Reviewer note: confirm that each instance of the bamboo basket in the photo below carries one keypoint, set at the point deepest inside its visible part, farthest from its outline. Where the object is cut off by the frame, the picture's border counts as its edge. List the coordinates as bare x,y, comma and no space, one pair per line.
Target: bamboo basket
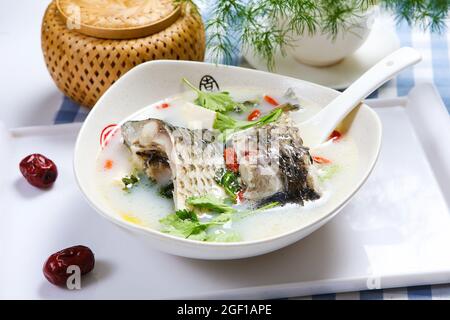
86,60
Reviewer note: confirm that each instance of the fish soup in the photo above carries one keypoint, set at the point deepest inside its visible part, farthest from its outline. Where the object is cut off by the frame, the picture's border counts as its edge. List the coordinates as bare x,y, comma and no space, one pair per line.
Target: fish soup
223,167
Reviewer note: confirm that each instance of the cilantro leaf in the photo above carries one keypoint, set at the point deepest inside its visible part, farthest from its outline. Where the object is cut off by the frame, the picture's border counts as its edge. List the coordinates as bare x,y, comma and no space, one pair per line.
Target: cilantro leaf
173,225
222,219
229,181
215,101
187,215
129,182
201,236
183,223
210,202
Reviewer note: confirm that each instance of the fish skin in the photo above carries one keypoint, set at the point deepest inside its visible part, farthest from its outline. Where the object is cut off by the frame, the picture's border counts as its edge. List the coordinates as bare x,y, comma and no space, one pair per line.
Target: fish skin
274,164
193,156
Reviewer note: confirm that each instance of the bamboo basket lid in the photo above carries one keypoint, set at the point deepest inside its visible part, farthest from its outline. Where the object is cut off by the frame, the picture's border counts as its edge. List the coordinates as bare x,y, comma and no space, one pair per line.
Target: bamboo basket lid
118,19
84,66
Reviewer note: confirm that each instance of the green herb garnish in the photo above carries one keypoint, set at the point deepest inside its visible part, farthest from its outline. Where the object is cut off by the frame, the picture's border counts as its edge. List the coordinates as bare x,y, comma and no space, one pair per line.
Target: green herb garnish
166,191
215,101
199,236
267,206
183,223
210,202
223,218
129,182
227,123
187,215
229,181
255,24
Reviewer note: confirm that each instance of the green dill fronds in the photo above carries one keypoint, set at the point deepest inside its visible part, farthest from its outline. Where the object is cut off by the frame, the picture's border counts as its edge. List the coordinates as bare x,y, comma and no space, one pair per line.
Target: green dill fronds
268,26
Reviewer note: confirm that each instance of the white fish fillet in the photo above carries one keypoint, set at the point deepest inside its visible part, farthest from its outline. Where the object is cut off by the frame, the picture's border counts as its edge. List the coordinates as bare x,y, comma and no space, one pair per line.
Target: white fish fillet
190,156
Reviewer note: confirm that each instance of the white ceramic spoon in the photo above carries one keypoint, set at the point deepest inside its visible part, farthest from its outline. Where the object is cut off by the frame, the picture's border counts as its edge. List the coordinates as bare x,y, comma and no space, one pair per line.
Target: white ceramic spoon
318,128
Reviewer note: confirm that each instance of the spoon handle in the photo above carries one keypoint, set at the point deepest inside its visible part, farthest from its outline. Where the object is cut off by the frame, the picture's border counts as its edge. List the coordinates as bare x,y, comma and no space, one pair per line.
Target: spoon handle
319,127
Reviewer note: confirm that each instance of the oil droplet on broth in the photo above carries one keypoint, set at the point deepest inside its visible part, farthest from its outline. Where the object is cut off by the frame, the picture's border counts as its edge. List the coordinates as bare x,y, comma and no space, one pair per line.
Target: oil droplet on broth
132,219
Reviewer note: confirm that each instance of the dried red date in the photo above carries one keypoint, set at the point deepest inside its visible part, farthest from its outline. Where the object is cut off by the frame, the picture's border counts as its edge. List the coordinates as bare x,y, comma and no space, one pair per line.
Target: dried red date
39,171
55,268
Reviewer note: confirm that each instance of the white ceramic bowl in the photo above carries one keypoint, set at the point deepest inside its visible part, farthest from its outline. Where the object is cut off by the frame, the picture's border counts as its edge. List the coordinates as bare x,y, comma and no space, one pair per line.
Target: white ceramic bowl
153,81
321,49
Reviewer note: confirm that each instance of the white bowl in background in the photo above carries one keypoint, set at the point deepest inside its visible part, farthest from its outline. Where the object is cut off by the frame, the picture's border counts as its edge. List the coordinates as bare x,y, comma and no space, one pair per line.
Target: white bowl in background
322,49
156,80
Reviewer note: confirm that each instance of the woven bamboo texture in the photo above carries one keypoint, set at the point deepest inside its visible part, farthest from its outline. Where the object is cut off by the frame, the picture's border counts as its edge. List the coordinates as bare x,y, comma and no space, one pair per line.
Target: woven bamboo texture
84,67
119,14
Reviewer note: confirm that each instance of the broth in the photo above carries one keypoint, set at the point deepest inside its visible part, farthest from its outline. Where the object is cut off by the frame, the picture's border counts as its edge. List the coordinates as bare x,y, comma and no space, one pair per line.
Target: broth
144,206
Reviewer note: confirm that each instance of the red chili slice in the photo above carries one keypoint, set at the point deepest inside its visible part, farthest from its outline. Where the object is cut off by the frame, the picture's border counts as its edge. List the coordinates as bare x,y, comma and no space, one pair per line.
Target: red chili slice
106,134
271,100
335,135
230,157
162,106
321,160
255,114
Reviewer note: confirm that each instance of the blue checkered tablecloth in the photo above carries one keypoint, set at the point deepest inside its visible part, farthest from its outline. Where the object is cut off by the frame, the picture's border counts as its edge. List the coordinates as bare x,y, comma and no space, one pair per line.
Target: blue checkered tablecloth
434,68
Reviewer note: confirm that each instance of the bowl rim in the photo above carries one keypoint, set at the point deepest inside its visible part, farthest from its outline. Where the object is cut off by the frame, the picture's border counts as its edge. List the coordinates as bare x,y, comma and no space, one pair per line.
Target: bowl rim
249,243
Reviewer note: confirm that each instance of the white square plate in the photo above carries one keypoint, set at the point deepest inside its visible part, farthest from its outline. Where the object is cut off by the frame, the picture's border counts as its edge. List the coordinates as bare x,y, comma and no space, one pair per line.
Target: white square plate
395,232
